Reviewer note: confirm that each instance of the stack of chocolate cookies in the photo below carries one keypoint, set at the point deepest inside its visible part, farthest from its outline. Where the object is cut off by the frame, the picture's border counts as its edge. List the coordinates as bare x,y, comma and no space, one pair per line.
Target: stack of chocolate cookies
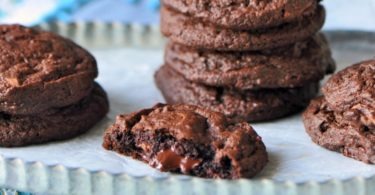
251,60
343,120
47,88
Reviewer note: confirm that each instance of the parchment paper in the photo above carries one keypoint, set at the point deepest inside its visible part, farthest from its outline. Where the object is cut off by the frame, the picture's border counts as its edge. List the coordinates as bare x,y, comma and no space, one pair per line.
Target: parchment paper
127,76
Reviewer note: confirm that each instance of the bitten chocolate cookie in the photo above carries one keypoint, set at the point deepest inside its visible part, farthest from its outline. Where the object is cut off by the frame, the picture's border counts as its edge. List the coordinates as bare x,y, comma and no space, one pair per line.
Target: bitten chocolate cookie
188,31
54,124
189,140
292,66
352,91
248,105
40,70
330,130
244,14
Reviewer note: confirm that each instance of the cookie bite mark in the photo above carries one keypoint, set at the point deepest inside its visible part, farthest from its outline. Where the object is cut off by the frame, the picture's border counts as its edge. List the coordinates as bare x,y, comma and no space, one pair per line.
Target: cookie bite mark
189,140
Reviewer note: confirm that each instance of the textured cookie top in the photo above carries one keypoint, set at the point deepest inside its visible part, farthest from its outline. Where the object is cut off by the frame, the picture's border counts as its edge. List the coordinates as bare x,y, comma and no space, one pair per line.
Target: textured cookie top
188,122
352,91
331,130
29,56
248,70
245,14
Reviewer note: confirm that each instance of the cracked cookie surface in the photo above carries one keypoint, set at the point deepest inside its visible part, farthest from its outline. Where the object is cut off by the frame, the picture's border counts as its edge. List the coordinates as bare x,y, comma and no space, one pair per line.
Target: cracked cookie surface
41,70
352,91
244,14
331,130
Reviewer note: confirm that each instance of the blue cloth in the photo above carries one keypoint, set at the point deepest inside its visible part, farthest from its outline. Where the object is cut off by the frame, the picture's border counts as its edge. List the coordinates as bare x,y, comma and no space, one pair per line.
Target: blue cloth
13,11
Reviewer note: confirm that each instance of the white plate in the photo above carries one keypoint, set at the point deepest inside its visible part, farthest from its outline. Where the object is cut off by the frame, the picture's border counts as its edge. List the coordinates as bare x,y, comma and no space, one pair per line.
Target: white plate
127,57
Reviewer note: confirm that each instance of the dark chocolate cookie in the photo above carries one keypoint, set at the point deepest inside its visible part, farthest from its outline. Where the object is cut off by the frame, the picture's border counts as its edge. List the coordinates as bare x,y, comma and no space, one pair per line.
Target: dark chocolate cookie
259,105
40,70
188,31
190,140
292,66
331,130
352,91
245,14
54,124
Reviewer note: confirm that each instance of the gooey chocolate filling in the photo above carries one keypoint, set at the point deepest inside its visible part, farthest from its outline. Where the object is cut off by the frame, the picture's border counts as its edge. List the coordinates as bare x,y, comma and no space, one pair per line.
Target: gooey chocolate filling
169,160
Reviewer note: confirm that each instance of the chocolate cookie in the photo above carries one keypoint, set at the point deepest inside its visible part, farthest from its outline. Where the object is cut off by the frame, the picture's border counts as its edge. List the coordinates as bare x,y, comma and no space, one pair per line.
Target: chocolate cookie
292,66
247,105
188,31
54,124
190,140
245,14
352,91
40,70
330,130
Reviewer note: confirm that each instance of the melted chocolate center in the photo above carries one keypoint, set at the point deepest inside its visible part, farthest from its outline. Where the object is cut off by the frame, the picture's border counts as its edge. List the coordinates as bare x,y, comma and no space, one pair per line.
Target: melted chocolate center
169,160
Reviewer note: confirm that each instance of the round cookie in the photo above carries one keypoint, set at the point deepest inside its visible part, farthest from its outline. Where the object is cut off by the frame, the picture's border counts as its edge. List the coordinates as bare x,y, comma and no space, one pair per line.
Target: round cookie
54,124
188,31
352,91
260,105
287,67
244,14
331,130
190,140
40,70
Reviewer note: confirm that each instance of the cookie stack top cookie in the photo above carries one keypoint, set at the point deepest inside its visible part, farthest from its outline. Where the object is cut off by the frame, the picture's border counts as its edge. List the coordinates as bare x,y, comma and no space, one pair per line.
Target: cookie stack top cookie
343,119
244,14
241,26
